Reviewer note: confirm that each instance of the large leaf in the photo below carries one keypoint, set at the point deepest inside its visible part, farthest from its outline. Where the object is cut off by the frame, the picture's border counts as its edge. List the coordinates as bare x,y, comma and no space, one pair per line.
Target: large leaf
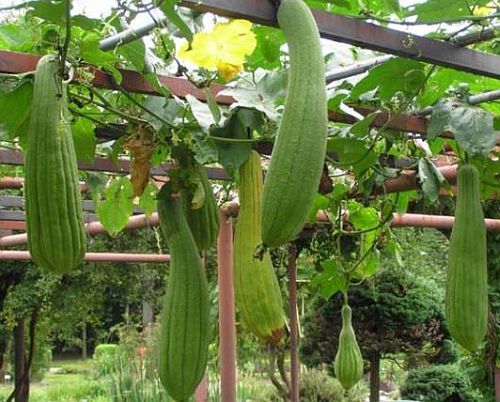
473,129
331,280
439,10
117,206
267,52
352,152
147,202
430,178
265,95
237,126
15,107
84,139
390,77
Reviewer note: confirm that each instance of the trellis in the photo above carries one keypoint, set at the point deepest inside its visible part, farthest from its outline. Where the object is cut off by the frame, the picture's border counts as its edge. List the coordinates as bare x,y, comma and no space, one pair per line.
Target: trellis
354,31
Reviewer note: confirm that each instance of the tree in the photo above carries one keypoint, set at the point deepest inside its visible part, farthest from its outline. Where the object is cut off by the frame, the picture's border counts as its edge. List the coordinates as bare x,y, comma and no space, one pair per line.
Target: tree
395,311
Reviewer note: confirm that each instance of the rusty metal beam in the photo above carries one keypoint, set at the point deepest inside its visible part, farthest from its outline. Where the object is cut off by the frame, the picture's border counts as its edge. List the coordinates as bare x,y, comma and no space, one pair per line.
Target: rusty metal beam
8,157
13,62
140,221
94,257
360,33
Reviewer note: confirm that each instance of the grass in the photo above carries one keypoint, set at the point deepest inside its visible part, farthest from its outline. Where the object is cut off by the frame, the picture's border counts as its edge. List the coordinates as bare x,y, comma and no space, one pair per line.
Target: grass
73,382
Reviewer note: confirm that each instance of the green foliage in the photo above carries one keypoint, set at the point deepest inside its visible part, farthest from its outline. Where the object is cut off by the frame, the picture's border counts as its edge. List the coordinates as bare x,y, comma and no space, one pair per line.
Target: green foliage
317,386
400,309
440,383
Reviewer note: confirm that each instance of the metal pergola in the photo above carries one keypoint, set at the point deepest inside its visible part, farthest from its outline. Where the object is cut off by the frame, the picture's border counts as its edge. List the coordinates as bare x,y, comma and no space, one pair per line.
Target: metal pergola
451,54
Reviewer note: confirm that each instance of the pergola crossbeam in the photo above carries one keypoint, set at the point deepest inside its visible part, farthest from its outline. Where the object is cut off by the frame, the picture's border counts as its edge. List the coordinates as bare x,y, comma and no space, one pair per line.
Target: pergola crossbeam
355,31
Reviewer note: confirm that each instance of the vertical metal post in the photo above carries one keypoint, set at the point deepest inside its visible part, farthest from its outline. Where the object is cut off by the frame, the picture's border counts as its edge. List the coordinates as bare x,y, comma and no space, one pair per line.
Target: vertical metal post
227,321
292,303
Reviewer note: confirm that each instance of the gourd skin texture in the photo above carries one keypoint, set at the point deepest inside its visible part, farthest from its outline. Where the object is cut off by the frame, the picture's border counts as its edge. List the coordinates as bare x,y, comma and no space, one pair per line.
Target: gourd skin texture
184,337
348,363
467,283
203,221
258,295
299,150
55,228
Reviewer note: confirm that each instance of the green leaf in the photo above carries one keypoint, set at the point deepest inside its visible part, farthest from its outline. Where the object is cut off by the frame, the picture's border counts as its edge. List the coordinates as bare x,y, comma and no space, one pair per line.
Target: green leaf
117,206
166,108
134,52
48,10
390,77
362,128
439,120
320,202
15,107
84,140
267,52
331,280
205,150
15,37
430,178
352,152
241,122
438,10
473,129
201,112
90,52
147,202
168,8
85,22
213,106
268,92
362,218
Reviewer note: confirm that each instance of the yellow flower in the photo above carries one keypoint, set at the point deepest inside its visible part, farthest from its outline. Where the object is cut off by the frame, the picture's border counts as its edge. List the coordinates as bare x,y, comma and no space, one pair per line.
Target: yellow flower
224,49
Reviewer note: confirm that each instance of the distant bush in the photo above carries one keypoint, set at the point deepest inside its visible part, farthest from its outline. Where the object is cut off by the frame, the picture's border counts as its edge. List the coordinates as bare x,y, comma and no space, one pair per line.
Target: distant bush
105,356
440,383
317,386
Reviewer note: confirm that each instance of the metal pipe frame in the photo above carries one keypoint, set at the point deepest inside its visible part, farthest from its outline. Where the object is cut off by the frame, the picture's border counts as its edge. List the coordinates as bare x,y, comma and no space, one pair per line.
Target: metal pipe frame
94,257
356,32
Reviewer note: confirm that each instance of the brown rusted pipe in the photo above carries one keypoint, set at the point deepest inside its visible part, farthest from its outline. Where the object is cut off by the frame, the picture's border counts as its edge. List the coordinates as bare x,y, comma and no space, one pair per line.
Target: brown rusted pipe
231,209
435,221
409,181
94,257
227,321
92,228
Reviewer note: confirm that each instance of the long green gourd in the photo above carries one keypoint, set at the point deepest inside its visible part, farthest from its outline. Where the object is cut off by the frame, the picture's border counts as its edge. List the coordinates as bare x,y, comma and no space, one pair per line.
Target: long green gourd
203,221
299,150
184,337
55,228
258,296
348,365
467,282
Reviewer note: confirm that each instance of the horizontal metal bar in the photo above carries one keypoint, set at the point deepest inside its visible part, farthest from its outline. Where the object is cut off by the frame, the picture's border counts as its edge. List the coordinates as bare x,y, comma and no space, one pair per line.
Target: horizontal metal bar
12,201
130,34
8,157
93,257
13,62
360,33
355,69
19,216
